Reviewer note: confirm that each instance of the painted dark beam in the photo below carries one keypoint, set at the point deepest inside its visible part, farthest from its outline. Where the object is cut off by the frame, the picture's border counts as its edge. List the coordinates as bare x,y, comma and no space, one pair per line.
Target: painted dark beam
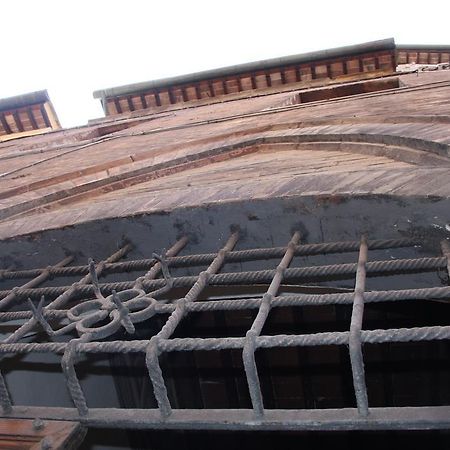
130,103
117,105
157,99
45,116
144,101
18,122
32,119
5,125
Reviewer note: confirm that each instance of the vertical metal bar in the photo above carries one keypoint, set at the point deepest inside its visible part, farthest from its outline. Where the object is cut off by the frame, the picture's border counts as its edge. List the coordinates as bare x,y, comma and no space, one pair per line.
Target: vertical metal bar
248,353
356,357
445,247
70,355
66,295
154,270
152,353
43,276
5,399
30,324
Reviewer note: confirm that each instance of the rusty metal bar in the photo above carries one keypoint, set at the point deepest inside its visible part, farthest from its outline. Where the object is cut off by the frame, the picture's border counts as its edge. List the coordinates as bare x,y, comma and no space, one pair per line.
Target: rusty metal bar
43,276
164,416
284,300
248,353
213,344
404,418
30,324
445,247
356,357
388,267
152,353
67,294
206,258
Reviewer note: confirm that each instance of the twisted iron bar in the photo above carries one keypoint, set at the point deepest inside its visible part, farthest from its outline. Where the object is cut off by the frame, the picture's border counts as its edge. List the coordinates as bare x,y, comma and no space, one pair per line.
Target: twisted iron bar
153,351
381,336
388,267
128,303
201,259
31,323
354,342
248,353
435,293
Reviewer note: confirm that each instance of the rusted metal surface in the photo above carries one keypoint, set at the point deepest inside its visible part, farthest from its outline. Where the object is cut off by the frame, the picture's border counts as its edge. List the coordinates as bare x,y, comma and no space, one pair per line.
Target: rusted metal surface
119,306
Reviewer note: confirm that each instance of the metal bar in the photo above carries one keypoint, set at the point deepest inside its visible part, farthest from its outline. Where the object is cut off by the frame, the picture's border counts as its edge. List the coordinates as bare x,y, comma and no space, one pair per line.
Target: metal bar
43,276
284,300
69,357
164,416
213,344
445,246
30,324
356,357
248,353
66,294
404,418
152,352
154,270
388,267
233,256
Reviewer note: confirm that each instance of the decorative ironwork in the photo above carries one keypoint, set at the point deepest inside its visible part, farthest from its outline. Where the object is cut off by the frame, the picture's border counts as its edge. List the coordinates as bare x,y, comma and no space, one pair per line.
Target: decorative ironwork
124,304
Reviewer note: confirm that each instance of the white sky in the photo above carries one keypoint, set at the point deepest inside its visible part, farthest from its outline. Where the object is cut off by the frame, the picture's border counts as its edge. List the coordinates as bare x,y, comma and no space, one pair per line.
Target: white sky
72,48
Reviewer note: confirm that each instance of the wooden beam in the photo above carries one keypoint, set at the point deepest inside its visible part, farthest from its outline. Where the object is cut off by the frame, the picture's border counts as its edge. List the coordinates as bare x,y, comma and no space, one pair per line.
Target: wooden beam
45,116
197,91
34,435
117,105
5,124
225,88
361,64
143,101
17,121
184,94
52,117
344,67
157,99
130,103
32,119
211,88
329,74
239,83
172,99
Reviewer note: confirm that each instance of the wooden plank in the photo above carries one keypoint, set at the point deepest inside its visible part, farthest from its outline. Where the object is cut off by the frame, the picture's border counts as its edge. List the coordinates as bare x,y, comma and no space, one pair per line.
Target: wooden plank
26,434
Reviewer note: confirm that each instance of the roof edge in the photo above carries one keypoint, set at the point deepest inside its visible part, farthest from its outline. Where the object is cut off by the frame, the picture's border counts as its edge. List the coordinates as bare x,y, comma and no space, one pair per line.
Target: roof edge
19,101
383,44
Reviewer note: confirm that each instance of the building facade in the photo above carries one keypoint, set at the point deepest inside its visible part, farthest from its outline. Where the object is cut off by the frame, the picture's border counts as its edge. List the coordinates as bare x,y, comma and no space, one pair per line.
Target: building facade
271,243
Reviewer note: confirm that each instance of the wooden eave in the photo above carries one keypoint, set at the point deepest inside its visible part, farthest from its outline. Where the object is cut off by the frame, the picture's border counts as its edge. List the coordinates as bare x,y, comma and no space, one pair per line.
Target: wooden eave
27,115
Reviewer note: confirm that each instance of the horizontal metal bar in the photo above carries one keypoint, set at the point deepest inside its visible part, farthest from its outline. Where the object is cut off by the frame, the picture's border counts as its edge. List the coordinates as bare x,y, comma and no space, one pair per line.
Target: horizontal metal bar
222,343
285,300
206,258
388,267
404,418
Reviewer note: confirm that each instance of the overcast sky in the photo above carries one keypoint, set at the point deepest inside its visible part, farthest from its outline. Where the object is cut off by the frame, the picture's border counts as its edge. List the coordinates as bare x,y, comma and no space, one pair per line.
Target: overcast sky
72,48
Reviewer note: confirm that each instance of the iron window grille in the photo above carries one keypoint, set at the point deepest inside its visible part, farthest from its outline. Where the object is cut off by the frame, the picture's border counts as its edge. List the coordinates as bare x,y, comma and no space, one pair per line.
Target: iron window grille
102,309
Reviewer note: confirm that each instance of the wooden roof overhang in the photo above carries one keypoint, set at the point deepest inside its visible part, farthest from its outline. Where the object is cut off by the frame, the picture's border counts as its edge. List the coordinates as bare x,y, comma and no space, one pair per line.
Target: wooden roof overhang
353,62
27,115
423,54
